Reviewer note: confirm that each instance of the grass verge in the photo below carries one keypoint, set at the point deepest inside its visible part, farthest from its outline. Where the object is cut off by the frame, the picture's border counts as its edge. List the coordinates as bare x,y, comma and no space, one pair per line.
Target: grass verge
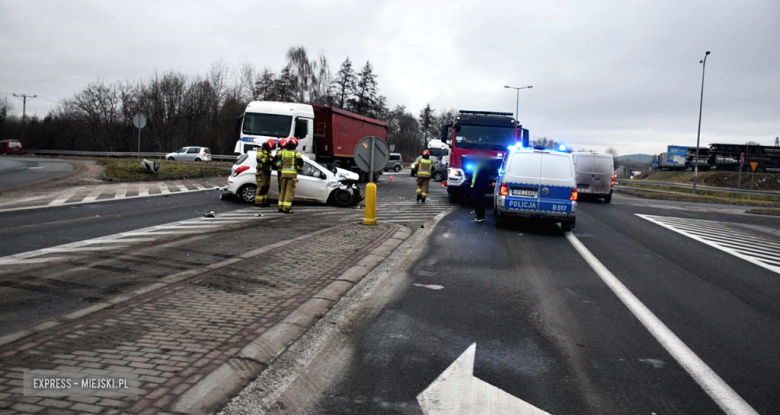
772,212
703,196
131,170
760,181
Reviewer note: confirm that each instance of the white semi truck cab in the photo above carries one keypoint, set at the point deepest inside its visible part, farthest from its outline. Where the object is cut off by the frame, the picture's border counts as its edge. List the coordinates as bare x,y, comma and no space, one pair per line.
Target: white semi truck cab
268,119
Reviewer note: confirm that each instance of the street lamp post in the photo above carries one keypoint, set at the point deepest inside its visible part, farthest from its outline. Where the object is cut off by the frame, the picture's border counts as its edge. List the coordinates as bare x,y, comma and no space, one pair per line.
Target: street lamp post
698,133
517,105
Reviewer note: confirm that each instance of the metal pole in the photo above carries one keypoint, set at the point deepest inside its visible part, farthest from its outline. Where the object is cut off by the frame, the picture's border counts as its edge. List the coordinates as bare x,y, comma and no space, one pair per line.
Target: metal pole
517,107
739,179
371,168
139,144
370,210
698,133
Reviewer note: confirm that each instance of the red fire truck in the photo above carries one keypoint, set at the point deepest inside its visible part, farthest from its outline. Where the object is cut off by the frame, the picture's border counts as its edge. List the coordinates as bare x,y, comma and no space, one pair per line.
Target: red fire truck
476,134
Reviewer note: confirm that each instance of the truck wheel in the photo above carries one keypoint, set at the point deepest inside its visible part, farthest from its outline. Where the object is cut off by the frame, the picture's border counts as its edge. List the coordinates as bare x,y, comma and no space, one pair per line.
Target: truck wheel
337,164
247,193
342,198
397,168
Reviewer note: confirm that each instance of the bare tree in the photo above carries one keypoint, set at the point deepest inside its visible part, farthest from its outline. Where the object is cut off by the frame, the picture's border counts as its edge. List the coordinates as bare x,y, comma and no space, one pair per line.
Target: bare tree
321,91
613,151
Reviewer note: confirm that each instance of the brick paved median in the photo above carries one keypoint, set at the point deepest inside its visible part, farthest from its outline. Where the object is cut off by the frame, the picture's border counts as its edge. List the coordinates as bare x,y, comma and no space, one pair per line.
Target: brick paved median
177,335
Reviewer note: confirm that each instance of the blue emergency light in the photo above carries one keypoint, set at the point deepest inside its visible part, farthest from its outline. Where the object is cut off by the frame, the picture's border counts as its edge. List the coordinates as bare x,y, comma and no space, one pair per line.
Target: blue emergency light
468,167
562,147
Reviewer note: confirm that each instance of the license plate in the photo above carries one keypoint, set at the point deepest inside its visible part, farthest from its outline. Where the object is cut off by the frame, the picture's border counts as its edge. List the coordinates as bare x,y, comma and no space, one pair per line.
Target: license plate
583,190
524,192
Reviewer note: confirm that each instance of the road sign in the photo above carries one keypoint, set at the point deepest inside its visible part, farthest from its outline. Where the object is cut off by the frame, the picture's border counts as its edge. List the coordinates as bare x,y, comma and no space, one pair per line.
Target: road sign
371,154
741,159
753,165
457,392
139,120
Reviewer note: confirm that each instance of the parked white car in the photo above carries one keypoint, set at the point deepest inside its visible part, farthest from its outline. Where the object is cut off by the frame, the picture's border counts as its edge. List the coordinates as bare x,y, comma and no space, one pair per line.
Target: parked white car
315,184
190,154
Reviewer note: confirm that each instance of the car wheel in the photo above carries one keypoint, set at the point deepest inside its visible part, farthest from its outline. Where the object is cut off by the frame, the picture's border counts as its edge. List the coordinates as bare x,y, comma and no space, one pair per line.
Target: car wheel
397,168
453,197
198,159
438,176
608,198
342,198
247,193
414,173
171,159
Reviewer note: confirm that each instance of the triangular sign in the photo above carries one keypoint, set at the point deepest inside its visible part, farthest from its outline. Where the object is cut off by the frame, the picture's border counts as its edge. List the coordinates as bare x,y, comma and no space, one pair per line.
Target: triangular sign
753,165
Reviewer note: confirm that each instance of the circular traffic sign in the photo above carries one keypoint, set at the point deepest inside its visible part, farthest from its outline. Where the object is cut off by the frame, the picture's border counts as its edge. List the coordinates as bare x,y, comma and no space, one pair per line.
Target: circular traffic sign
139,120
364,149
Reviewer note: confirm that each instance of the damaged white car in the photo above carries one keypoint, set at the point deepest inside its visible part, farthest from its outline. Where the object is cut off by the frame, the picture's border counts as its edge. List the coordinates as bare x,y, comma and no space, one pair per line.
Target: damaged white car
315,184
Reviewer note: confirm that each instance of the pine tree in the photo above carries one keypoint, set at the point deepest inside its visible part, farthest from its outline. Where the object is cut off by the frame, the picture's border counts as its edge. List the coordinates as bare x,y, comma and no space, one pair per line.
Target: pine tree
427,123
265,87
344,85
365,98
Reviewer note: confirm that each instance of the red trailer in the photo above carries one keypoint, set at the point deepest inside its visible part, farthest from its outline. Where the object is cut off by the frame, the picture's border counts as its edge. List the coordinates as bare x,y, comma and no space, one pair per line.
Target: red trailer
337,132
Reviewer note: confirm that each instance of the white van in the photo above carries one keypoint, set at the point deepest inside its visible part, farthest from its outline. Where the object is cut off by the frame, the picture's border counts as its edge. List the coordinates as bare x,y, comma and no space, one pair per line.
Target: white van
537,183
595,174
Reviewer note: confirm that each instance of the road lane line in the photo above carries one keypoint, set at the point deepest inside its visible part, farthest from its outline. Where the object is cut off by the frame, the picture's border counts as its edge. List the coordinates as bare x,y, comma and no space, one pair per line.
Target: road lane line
181,187
728,400
163,188
143,191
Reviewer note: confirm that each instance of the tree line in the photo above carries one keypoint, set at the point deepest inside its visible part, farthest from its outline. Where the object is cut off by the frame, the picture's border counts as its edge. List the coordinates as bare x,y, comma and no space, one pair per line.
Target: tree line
201,109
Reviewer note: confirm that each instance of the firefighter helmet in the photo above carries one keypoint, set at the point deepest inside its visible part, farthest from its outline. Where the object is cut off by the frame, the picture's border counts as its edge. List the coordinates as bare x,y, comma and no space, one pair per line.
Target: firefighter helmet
426,153
270,144
283,143
293,141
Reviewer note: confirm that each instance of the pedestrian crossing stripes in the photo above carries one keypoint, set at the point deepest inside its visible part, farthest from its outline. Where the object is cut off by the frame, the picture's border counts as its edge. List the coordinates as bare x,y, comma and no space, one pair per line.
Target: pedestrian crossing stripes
757,249
150,234
91,194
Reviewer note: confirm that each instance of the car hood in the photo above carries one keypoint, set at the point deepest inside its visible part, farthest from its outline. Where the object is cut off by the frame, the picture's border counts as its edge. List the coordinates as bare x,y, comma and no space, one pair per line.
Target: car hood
342,174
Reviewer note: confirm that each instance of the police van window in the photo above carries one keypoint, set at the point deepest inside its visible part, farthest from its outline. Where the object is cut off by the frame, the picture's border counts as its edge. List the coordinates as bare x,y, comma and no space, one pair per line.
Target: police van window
555,166
525,165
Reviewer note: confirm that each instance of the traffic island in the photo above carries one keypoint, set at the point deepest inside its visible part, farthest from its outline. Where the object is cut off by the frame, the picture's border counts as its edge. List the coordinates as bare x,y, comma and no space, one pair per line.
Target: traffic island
198,336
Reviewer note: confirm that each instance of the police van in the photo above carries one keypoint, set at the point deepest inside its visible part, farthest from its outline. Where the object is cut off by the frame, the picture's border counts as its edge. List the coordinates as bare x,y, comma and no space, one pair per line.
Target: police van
537,183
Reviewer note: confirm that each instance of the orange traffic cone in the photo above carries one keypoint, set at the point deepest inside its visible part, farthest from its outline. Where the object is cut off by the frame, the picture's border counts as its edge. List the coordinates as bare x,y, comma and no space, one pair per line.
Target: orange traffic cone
391,177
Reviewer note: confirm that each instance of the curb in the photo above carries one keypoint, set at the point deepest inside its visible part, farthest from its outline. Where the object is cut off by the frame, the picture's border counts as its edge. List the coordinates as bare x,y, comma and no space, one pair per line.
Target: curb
219,386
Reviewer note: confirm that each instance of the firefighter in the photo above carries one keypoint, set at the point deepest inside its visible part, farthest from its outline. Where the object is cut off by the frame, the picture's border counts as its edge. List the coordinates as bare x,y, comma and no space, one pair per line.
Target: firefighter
264,167
291,163
424,168
277,165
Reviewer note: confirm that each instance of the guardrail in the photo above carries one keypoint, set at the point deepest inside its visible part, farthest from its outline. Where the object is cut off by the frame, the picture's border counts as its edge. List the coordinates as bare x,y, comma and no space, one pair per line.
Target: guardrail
118,154
708,188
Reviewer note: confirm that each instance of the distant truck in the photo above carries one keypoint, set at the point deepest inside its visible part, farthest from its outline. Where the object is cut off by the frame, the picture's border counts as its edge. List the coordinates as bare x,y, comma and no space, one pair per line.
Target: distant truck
682,158
726,157
326,134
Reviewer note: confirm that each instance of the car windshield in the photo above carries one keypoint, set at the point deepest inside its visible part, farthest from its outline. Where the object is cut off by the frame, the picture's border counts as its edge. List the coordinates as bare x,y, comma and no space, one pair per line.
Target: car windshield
484,137
269,125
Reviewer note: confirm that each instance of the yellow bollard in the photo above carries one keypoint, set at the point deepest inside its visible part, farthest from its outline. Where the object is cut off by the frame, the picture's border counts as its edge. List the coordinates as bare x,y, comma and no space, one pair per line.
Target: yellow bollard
370,218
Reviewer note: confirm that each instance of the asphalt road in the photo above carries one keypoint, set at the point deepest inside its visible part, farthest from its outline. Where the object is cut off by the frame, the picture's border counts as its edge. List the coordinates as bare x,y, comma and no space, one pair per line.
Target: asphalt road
550,332
20,172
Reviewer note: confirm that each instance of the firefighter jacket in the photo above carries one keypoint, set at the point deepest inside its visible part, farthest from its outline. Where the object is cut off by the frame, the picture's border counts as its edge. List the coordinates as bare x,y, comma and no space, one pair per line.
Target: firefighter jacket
290,162
264,160
424,167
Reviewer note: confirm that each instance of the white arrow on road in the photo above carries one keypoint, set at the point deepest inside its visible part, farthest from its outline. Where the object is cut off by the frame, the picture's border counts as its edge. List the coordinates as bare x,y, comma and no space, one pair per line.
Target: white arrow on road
457,392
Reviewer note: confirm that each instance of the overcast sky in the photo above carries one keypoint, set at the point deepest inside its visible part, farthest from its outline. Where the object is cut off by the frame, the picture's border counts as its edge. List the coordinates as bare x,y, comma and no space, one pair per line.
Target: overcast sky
605,73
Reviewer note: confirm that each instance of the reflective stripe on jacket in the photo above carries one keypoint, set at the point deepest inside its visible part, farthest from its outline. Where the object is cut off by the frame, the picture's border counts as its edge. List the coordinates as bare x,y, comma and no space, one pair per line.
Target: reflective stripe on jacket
424,168
291,161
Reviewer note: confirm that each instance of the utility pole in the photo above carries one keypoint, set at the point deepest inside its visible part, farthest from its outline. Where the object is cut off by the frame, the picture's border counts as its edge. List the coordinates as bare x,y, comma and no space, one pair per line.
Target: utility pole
24,98
777,141
698,133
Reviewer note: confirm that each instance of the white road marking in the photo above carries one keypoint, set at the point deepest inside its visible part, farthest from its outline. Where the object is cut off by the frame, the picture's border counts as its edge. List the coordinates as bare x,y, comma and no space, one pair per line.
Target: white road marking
181,187
163,188
429,286
457,392
23,200
728,400
143,191
93,195
120,193
64,197
725,243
